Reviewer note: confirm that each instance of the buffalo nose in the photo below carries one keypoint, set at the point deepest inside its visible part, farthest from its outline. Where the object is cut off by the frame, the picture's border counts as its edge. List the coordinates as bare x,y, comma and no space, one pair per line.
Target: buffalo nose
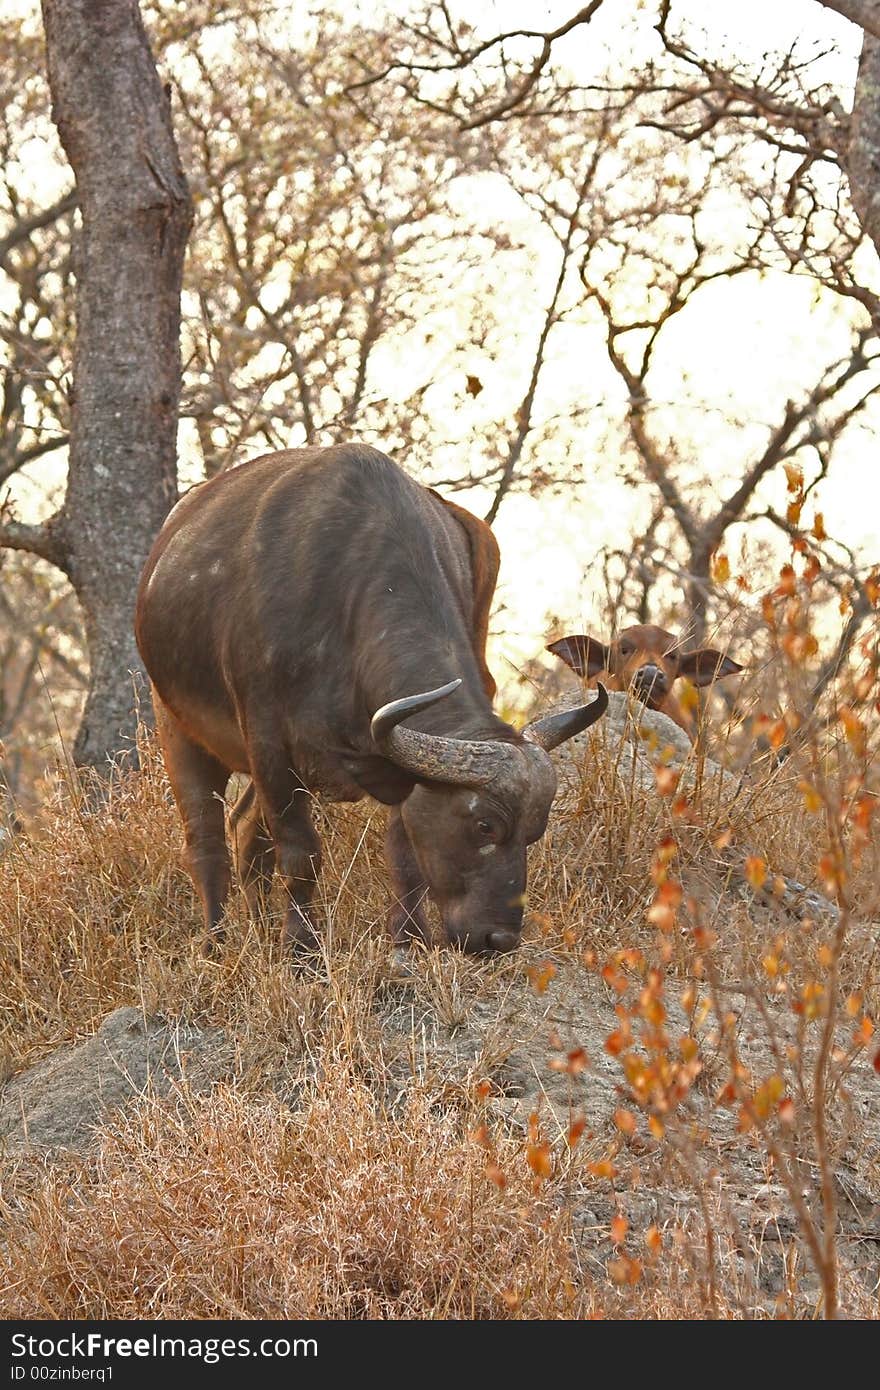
502,940
650,678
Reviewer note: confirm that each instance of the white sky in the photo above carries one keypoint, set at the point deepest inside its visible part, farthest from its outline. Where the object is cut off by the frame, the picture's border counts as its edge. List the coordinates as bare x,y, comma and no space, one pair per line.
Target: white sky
760,336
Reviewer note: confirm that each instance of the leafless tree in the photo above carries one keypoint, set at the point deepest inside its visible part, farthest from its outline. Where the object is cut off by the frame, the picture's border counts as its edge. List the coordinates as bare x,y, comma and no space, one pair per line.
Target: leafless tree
114,122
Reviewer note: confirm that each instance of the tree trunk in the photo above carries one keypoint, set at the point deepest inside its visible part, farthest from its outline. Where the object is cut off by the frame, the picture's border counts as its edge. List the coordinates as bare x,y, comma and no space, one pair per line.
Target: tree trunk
863,153
114,121
698,586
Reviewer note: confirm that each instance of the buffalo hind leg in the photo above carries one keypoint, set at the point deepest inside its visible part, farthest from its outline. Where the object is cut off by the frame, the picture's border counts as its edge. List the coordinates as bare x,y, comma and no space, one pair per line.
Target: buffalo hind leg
286,809
406,917
254,851
198,782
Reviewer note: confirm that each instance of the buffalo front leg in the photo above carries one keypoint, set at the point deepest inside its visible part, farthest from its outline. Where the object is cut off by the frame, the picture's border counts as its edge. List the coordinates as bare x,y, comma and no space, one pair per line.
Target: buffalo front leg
406,917
286,810
198,782
254,850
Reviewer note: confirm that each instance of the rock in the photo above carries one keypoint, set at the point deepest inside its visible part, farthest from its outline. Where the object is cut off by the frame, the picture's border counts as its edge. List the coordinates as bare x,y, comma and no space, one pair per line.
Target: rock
635,740
57,1103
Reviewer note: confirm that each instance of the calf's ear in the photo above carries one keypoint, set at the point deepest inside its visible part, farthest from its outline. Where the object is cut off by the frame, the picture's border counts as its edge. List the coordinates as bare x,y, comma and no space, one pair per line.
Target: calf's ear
583,654
706,665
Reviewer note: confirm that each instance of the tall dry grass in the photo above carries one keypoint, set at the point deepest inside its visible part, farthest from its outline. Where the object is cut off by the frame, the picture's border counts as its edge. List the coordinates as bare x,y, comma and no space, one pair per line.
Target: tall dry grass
330,1175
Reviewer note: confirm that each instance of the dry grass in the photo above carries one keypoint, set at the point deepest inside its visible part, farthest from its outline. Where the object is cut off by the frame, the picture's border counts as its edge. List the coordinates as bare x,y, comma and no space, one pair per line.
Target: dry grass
334,1176
241,1208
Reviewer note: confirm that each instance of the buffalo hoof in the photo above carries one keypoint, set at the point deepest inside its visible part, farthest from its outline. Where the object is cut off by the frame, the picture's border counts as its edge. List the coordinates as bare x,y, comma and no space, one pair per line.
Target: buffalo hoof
408,928
300,937
212,943
502,940
402,962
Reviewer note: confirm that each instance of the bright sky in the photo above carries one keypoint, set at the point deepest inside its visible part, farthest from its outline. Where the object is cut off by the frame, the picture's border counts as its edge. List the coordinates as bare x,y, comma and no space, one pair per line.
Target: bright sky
761,338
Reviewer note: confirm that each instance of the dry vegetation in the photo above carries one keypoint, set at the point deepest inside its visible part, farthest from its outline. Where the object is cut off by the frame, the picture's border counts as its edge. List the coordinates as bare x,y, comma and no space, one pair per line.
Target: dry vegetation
664,1105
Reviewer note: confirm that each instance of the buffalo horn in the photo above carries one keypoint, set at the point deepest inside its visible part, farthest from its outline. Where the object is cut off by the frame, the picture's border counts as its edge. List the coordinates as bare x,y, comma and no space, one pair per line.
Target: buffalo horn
455,760
554,729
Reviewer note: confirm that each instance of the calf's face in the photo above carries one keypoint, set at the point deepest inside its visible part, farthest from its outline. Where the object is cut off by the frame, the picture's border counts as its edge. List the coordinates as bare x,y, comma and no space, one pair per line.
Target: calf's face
645,659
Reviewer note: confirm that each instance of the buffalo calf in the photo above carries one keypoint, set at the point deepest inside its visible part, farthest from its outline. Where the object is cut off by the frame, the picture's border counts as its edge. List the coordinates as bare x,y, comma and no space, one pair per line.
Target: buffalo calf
648,661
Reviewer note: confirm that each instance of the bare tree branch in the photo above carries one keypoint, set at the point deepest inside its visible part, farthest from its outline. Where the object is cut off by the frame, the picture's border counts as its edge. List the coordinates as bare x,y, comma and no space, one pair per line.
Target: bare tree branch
23,229
41,539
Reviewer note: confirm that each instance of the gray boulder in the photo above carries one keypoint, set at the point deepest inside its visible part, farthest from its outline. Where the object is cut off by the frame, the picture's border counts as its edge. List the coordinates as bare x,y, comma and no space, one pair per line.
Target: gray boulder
57,1103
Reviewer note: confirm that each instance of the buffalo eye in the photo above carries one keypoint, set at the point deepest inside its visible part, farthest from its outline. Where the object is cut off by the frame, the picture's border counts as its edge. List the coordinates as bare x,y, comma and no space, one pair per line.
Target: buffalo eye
488,831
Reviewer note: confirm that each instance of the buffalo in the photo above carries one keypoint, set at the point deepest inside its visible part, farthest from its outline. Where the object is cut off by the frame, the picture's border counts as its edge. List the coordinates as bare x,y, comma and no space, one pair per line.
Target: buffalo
317,619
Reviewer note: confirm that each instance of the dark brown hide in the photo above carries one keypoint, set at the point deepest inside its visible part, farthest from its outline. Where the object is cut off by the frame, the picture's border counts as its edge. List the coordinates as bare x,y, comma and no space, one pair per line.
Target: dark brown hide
284,603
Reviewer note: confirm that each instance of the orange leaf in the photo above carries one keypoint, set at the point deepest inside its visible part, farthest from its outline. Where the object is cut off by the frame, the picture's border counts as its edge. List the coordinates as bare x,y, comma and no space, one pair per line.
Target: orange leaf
575,1130
667,780
855,730
812,799
540,1160
619,1228
624,1270
653,1240
670,893
829,872
755,871
667,849
496,1175
812,568
603,1169
787,1111
787,586
541,975
625,1121
615,979
662,916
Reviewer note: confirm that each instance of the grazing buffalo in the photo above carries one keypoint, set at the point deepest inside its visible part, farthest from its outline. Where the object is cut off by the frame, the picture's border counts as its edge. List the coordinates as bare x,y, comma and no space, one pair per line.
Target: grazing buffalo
648,661
318,620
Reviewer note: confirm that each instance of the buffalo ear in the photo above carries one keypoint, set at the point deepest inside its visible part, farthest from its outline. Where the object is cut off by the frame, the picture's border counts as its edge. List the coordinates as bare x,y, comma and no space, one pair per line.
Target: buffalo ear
583,654
706,665
380,778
